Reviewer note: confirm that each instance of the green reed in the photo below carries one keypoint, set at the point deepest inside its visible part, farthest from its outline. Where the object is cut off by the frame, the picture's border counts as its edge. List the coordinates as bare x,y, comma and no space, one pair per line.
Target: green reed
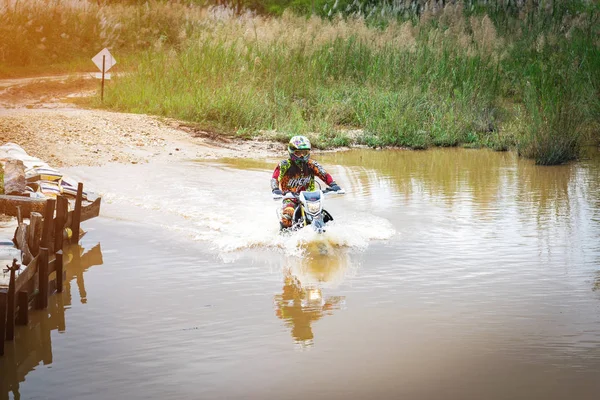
560,89
414,97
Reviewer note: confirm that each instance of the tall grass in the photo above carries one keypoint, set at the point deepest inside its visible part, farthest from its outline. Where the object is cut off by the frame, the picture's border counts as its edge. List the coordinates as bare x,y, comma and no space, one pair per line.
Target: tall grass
560,82
402,85
404,73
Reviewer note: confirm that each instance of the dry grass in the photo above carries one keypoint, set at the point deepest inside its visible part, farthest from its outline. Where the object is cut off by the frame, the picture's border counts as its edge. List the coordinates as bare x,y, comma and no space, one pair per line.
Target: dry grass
43,32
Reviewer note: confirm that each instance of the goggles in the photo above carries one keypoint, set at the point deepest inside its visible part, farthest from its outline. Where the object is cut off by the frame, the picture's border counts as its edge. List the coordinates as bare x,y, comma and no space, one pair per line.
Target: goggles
301,153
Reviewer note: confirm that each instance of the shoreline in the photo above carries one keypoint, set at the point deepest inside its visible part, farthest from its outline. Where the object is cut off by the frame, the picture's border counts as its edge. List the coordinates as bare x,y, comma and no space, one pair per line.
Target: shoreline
65,135
70,137
38,116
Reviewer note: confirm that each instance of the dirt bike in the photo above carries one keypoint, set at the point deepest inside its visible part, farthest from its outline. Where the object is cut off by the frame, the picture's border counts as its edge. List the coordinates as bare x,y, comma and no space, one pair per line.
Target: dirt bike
309,210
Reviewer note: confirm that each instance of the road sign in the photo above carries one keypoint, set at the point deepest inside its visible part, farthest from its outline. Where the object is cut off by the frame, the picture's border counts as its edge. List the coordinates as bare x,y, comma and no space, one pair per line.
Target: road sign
104,57
104,61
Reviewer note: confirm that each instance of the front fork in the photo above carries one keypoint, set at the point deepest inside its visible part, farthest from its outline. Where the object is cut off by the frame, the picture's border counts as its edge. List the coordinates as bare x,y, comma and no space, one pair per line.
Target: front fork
317,222
303,215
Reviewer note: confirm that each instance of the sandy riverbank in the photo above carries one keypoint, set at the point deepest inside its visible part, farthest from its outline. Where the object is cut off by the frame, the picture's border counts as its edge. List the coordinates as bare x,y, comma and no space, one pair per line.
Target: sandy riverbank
38,115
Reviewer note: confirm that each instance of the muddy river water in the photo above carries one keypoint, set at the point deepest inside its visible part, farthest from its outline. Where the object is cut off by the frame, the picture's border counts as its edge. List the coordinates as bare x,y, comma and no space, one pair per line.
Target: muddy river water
446,274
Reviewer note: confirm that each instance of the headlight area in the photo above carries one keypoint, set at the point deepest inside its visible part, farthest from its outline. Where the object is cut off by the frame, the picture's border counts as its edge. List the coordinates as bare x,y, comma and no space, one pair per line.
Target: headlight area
313,206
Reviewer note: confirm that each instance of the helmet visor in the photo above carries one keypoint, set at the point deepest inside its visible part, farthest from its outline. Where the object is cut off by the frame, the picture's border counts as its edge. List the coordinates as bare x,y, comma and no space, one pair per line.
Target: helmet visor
301,153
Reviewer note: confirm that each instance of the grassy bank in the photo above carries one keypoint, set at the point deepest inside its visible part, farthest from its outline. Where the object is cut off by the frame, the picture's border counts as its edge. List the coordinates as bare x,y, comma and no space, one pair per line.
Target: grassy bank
527,79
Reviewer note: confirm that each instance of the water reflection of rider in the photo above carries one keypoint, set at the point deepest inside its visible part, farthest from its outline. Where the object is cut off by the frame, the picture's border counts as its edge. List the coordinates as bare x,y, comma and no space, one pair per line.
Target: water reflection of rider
32,344
300,306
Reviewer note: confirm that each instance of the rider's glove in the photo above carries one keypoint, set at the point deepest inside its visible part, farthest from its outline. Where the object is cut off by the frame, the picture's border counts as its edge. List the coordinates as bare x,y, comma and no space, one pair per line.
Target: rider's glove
277,192
334,186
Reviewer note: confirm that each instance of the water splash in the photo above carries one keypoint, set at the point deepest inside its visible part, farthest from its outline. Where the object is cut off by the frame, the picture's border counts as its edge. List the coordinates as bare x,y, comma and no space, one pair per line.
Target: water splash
228,209
354,231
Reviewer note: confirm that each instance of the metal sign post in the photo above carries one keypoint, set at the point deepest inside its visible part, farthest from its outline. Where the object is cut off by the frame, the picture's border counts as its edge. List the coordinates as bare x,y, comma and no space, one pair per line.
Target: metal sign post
103,70
104,61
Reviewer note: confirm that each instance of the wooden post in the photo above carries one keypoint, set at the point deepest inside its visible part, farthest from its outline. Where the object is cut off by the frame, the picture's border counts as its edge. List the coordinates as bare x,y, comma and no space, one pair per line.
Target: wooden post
48,220
23,303
3,299
59,271
42,297
10,303
35,233
62,208
77,214
19,215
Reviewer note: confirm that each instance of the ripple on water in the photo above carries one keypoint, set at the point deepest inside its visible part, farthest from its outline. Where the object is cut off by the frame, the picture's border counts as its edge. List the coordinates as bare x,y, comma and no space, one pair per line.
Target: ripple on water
467,266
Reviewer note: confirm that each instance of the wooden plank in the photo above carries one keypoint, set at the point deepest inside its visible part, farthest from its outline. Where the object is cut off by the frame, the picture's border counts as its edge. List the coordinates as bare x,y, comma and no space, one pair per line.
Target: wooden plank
35,233
48,220
88,211
10,305
77,213
51,287
8,205
62,210
91,210
27,274
3,301
23,305
20,241
51,267
20,237
42,298
19,215
33,295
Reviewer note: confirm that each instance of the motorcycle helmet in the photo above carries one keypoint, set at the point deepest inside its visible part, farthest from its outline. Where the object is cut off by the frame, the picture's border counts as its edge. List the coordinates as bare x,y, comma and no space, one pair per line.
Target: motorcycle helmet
299,149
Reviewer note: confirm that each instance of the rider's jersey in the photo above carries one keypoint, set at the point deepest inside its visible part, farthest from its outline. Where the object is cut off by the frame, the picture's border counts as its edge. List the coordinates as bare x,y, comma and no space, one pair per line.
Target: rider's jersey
292,178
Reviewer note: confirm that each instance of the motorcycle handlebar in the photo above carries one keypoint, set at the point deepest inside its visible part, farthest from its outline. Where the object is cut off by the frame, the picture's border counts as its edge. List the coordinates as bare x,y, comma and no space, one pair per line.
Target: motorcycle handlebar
296,195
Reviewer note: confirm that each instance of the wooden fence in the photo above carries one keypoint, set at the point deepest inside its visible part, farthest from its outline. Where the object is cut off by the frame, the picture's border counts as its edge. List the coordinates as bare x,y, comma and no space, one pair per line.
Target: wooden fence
41,242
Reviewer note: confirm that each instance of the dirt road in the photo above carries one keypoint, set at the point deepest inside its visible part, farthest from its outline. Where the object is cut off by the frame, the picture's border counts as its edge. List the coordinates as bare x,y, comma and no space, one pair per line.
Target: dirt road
39,115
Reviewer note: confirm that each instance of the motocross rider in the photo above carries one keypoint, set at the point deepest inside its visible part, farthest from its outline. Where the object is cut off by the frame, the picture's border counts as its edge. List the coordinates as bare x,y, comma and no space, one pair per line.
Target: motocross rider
295,174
